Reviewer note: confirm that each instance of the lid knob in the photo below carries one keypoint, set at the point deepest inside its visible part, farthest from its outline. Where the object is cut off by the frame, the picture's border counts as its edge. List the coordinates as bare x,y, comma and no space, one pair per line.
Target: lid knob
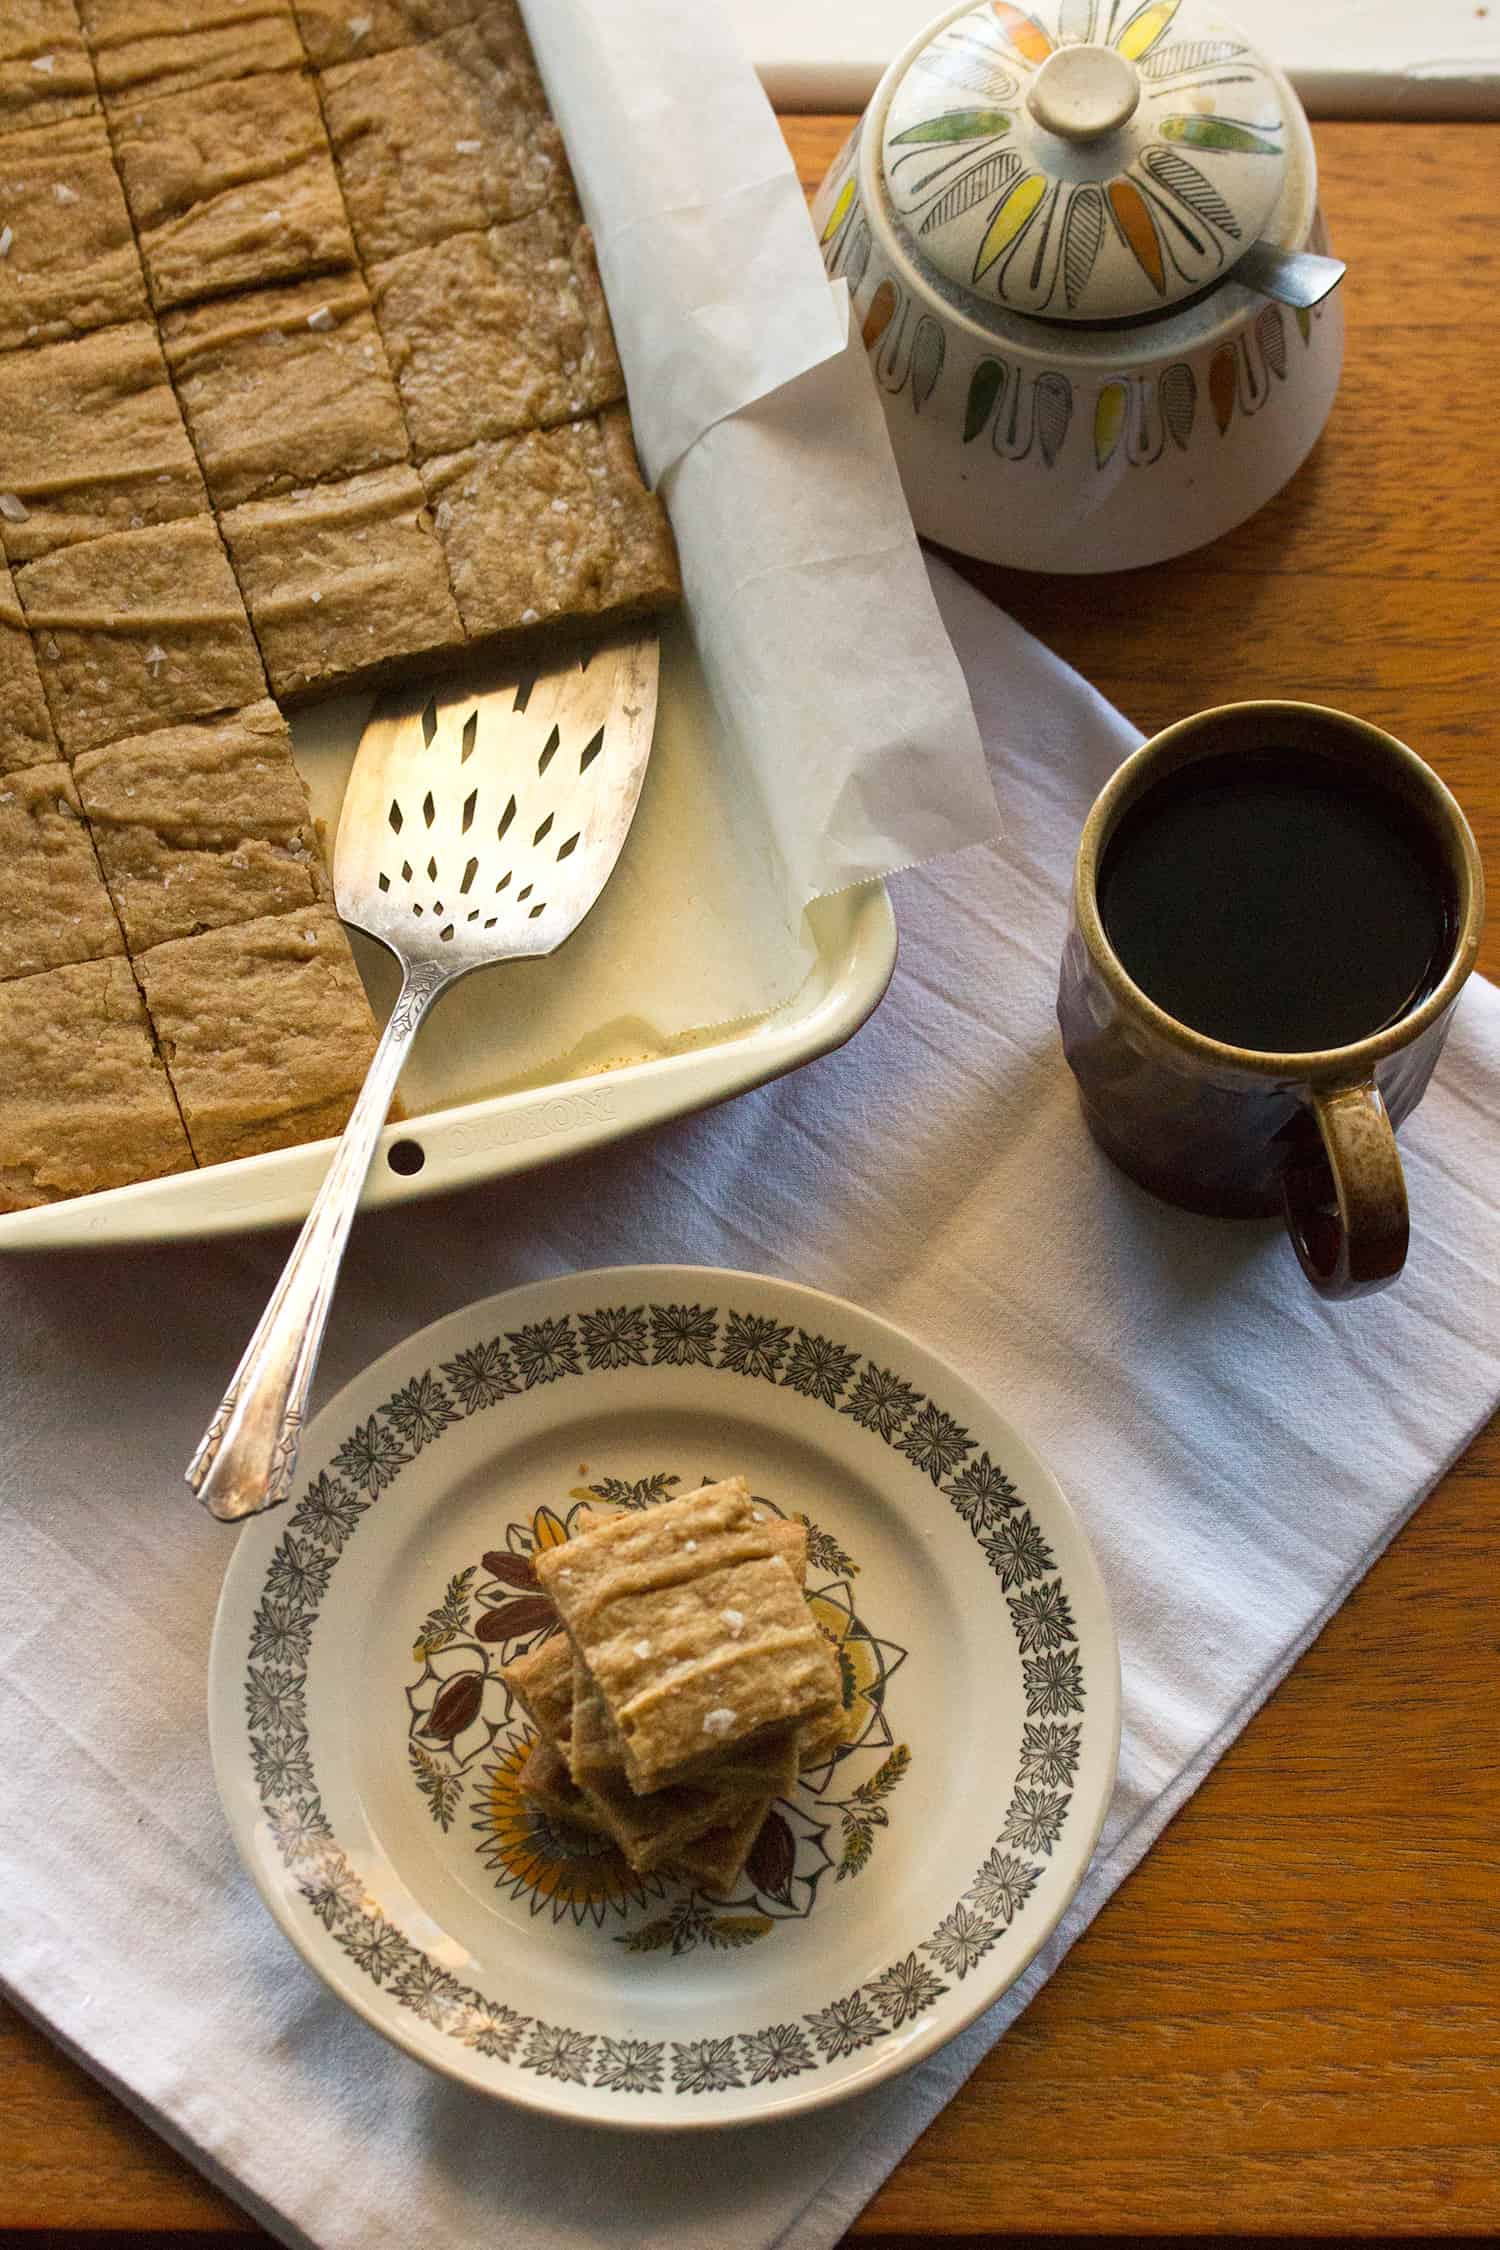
1083,162
1083,93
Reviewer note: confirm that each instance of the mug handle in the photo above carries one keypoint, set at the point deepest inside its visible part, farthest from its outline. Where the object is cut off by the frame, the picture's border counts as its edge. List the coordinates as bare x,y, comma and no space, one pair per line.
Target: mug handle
1344,1195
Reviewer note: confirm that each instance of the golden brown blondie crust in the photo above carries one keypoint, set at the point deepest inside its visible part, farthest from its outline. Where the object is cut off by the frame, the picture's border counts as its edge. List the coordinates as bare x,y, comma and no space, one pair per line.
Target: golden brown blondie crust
542,1680
45,72
342,580
283,387
716,1861
231,186
72,264
202,825
84,1100
91,441
439,139
167,178
337,31
649,1830
498,332
655,1830
163,46
137,631
552,525
693,1629
54,907
264,1028
712,1859
594,1744
26,737
546,1780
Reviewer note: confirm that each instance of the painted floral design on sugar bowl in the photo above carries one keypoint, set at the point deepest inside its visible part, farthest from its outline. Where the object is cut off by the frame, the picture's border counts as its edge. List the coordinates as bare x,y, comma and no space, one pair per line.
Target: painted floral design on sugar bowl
1040,218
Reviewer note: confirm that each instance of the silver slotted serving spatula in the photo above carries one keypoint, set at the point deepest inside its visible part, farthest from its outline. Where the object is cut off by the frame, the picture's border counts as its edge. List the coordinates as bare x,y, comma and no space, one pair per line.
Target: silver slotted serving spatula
480,824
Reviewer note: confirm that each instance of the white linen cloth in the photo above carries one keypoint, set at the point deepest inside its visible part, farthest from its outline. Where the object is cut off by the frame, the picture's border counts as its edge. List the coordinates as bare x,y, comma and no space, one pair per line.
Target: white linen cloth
1238,1451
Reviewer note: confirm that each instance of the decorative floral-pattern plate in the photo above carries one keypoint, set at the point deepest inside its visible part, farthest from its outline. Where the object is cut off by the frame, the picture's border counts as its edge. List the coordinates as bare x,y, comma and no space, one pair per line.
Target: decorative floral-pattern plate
370,1756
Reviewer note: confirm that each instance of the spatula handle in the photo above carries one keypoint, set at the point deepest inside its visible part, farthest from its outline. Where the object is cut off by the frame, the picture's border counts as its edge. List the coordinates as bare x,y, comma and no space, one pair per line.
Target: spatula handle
247,1460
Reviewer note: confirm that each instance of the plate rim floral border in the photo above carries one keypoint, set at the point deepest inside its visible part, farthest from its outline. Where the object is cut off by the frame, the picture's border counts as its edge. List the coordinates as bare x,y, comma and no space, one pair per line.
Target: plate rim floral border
231,1733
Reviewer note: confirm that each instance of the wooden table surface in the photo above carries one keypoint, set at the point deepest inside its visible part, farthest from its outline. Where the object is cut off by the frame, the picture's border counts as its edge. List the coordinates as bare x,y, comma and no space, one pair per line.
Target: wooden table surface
1288,2020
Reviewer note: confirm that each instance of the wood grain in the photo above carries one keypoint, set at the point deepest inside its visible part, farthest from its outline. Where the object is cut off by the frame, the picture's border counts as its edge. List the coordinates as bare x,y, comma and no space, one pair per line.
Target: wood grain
1288,2021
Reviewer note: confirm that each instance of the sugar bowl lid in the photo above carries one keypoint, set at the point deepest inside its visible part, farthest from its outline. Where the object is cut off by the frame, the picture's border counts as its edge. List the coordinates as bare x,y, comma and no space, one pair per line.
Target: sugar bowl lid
1088,160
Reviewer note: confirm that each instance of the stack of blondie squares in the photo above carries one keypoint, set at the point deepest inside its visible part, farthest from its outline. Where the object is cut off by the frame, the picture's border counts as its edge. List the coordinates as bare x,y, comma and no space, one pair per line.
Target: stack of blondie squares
689,1687
306,379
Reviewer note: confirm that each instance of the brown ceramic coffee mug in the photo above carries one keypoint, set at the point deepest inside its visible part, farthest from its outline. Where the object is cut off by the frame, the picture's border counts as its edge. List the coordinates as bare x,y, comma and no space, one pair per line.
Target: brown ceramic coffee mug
1275,907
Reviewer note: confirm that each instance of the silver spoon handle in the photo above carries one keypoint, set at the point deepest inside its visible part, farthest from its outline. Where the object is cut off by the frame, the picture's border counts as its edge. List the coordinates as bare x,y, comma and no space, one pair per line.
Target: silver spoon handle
247,1460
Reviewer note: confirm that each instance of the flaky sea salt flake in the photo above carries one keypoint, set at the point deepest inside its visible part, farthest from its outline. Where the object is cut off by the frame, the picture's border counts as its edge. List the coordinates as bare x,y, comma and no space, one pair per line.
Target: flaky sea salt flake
718,1721
63,193
6,239
156,657
467,148
46,64
13,507
359,28
321,319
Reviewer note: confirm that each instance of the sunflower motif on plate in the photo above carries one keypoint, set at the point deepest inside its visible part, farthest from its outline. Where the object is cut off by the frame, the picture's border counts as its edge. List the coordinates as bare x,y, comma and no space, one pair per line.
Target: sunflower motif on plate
469,1744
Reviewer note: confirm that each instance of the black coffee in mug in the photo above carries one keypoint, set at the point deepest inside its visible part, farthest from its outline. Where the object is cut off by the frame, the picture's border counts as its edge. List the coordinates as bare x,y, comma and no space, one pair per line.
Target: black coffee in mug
1278,900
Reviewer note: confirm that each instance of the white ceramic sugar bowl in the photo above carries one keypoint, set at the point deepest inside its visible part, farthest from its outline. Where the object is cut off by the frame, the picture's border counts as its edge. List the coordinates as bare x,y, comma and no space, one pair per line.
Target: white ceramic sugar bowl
1046,220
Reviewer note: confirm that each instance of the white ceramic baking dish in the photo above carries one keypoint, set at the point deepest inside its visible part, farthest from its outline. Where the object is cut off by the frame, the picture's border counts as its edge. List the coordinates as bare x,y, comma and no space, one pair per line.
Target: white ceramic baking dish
477,1110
